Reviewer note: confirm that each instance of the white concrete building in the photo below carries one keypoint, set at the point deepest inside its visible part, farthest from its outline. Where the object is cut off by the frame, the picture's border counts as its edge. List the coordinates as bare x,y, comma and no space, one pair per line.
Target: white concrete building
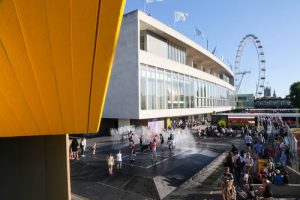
160,74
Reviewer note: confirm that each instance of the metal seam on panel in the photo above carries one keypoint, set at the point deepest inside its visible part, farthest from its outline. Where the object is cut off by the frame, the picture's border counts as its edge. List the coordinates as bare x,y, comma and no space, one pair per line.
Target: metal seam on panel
93,63
72,67
4,98
33,73
19,86
52,68
18,83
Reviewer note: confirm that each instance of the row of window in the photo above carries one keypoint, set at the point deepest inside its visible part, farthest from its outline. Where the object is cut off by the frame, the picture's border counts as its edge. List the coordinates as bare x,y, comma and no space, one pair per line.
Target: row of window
176,53
163,89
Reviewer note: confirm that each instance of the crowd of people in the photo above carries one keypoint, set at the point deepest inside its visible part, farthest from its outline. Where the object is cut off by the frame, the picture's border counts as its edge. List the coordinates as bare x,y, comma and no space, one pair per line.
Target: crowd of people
152,146
218,131
187,124
263,160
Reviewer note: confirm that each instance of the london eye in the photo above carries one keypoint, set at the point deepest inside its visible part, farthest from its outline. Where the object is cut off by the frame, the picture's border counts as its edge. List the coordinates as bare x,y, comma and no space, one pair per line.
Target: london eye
238,74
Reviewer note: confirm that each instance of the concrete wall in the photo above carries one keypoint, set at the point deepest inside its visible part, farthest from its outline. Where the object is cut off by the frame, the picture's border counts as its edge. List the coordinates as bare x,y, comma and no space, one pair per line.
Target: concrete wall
294,176
157,46
123,85
34,168
283,191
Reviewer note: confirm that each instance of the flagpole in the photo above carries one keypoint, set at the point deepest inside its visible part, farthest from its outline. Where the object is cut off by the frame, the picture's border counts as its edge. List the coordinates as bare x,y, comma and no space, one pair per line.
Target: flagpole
207,44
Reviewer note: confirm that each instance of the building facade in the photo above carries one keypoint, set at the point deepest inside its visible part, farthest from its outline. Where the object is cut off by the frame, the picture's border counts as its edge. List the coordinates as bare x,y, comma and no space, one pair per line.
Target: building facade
272,103
159,74
267,92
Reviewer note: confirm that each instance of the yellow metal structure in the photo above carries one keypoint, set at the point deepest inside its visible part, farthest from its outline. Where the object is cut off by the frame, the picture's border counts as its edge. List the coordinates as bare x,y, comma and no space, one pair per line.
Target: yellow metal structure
55,64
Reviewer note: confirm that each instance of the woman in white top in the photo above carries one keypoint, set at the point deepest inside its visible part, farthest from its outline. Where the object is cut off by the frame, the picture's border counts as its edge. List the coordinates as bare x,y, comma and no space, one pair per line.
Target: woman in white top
119,160
83,146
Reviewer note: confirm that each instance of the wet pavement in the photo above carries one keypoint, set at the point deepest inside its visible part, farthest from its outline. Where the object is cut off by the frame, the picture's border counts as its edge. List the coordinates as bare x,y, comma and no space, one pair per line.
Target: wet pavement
146,179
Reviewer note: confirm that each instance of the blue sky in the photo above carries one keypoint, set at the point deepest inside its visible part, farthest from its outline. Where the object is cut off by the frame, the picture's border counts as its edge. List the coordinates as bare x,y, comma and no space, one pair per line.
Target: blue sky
225,22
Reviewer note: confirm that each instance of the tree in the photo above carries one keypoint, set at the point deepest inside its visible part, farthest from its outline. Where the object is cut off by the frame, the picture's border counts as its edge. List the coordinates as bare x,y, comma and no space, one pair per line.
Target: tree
295,94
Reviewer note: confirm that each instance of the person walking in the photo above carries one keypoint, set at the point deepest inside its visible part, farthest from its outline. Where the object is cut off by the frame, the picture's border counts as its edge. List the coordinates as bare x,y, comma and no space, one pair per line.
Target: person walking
248,141
74,147
229,162
70,149
82,146
226,176
259,149
238,167
249,163
162,141
228,189
94,149
283,158
261,138
119,160
270,172
110,163
132,154
141,143
153,145
229,192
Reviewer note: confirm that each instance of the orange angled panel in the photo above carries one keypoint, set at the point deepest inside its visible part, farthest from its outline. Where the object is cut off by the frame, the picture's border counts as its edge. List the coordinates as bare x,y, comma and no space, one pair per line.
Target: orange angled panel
108,32
83,30
55,61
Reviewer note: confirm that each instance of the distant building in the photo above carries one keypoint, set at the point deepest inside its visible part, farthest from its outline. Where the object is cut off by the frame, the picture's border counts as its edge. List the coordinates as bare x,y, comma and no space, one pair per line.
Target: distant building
272,103
274,94
245,101
267,92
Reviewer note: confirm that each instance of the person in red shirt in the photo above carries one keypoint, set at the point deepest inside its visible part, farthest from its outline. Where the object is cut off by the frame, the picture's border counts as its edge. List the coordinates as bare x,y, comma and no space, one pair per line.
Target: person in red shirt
153,146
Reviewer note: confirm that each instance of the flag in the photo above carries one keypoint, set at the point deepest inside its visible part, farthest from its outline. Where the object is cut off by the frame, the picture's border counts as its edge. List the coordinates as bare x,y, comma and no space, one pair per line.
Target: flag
180,16
214,51
199,33
153,1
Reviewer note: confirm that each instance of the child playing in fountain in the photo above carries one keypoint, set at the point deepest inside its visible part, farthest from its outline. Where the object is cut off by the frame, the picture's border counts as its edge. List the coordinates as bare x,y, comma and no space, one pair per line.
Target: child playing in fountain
94,149
161,140
171,142
132,154
153,146
141,143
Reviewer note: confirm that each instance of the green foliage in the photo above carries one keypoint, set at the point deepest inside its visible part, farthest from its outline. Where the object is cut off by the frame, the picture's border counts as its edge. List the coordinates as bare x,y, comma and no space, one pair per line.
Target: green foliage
295,94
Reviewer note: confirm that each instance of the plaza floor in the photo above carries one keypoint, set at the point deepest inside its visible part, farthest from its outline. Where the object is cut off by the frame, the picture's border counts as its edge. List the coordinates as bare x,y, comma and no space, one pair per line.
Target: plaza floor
145,179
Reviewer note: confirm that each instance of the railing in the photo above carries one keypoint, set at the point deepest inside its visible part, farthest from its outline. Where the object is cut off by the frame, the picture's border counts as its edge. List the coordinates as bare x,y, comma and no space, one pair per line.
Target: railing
293,144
